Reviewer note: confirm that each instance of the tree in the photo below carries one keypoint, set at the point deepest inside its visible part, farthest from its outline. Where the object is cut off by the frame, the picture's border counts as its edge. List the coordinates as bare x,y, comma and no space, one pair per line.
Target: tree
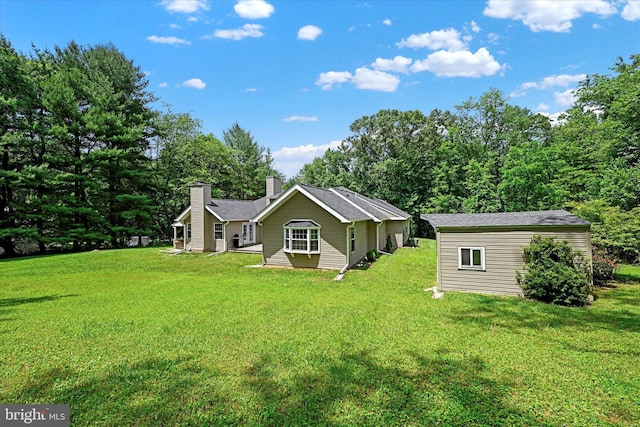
253,163
17,94
526,179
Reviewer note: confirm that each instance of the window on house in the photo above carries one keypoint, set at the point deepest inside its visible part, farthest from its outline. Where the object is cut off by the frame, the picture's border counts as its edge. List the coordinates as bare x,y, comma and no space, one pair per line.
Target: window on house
471,258
218,233
188,230
352,238
302,237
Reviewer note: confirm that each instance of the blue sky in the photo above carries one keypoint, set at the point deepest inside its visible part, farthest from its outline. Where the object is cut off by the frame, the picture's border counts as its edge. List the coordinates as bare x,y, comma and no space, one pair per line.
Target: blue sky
296,74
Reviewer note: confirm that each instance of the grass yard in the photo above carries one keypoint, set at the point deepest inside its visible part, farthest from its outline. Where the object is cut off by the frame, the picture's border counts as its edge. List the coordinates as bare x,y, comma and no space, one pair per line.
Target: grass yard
137,337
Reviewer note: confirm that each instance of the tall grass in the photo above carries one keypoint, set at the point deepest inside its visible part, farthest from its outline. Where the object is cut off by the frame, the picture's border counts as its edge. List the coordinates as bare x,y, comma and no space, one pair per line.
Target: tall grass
137,337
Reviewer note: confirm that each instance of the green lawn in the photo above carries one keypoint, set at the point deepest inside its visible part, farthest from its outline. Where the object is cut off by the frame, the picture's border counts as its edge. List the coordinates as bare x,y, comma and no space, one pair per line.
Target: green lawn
137,337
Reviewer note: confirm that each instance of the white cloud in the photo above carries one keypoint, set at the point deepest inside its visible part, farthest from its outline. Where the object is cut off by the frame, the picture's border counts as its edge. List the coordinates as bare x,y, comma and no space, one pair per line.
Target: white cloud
251,89
167,40
194,83
440,39
399,64
555,118
192,19
330,78
301,119
365,78
631,11
309,32
289,160
174,26
387,22
566,98
555,16
184,6
475,27
562,80
458,64
253,9
493,38
164,84
542,106
247,30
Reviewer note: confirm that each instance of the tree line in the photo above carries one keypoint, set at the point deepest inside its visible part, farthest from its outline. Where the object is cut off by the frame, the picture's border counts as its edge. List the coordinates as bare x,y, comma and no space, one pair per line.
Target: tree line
86,161
491,156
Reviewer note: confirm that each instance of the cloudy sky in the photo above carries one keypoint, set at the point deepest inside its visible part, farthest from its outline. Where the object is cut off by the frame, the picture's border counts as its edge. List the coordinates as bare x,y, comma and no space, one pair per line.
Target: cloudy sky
297,73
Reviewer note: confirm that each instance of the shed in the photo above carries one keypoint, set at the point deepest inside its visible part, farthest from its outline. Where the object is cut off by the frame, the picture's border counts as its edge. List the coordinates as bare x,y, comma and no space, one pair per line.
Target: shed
481,253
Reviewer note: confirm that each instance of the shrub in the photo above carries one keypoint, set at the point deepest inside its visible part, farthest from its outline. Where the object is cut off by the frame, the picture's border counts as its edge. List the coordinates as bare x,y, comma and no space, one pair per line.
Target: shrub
604,267
372,255
556,274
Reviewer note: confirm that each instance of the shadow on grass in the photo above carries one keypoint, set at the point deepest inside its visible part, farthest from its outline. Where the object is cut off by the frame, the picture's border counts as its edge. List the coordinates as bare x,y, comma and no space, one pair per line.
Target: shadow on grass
355,389
489,312
351,389
6,304
158,392
629,279
12,302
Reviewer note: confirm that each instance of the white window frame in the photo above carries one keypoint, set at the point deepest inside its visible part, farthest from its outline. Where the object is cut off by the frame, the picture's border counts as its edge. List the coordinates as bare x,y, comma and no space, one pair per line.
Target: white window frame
215,231
294,236
481,267
188,230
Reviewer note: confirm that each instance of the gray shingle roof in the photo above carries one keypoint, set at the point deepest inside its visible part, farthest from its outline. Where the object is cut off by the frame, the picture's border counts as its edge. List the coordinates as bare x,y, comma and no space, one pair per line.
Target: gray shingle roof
505,219
237,210
335,202
378,208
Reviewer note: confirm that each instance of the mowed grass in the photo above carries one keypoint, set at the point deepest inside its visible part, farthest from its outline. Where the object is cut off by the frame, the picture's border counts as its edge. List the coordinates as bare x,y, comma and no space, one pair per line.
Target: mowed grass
138,337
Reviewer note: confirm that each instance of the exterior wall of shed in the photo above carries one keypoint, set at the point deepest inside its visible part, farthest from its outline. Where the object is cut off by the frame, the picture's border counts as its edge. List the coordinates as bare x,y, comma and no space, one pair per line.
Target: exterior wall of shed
503,257
333,236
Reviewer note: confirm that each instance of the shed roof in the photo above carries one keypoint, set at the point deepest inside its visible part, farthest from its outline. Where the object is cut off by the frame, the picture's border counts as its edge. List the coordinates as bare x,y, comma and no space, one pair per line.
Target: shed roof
505,219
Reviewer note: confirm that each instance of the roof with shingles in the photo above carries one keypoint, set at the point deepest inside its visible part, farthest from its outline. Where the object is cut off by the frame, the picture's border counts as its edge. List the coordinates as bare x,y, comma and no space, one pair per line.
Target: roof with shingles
378,208
337,203
505,219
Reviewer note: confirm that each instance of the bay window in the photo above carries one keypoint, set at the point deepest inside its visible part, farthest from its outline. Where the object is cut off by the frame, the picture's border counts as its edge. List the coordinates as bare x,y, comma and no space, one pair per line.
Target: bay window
302,237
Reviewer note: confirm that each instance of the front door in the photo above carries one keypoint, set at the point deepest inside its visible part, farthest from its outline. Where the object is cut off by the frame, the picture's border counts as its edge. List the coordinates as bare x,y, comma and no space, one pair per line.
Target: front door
248,233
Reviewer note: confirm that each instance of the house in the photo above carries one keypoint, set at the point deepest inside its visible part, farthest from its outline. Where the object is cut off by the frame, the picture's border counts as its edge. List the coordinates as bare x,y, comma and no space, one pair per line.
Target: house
305,226
328,228
217,225
482,252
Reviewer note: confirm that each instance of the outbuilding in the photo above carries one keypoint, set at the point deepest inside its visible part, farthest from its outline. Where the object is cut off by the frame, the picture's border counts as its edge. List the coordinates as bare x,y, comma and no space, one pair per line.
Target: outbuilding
481,253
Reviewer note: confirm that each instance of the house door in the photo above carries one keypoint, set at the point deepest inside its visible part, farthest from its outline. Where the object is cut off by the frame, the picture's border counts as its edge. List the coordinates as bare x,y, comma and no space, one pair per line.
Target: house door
248,233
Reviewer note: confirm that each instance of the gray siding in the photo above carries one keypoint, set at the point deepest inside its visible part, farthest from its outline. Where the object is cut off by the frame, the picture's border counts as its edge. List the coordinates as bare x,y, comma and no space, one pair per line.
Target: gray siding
362,244
397,231
201,224
333,236
503,257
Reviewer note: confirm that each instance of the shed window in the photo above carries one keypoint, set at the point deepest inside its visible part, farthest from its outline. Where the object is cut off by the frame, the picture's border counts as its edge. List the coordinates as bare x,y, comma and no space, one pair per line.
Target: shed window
302,237
471,258
218,233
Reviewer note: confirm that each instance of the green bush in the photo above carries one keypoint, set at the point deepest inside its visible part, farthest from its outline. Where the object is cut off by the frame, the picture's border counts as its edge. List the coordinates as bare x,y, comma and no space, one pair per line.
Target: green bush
372,255
604,267
555,273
